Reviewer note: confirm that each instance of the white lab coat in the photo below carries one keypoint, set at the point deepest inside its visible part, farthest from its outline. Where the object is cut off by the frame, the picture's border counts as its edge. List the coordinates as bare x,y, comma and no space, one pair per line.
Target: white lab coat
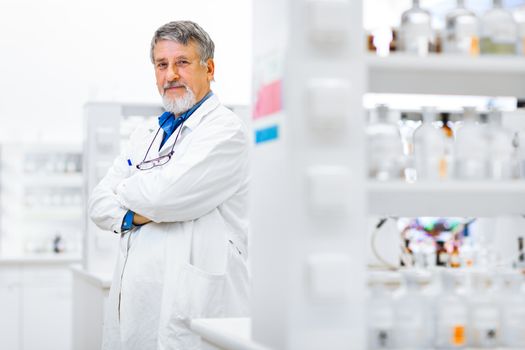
191,261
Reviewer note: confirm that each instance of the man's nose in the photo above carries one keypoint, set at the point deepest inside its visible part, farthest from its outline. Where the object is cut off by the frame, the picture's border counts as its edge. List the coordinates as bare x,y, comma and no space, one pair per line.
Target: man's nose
173,73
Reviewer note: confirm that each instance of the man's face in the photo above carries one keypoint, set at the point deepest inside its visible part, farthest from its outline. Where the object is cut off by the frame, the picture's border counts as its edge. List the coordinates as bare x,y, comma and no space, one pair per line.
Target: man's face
178,65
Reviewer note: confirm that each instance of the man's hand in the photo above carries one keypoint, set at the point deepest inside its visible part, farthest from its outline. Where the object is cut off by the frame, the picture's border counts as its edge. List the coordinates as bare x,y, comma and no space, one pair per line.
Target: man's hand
140,220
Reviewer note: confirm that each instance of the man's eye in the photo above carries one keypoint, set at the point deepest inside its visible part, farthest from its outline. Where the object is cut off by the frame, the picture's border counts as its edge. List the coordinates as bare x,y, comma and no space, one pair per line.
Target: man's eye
182,63
161,65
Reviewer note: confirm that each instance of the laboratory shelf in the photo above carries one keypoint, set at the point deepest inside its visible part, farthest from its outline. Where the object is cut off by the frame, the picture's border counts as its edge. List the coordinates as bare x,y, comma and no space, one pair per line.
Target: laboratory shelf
49,180
44,214
447,74
446,198
54,213
40,259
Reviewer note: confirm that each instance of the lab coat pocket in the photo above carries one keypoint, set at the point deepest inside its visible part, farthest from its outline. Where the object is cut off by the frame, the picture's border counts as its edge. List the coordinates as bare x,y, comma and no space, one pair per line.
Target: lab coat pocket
201,293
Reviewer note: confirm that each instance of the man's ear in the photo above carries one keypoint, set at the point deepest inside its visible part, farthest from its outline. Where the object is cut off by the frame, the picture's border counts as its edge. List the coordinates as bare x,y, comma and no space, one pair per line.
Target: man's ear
210,66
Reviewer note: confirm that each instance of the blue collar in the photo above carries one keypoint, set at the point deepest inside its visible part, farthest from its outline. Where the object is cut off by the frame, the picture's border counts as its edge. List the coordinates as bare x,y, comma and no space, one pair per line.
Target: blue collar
169,123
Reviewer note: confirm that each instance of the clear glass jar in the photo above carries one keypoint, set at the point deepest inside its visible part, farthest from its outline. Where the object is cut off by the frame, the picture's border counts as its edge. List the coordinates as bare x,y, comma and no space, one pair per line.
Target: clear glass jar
499,31
462,31
513,311
415,33
429,148
470,148
384,146
503,162
414,317
484,318
380,315
451,313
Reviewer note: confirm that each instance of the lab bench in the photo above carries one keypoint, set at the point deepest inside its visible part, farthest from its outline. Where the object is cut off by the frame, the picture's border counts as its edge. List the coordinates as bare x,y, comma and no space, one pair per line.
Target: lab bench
35,301
90,292
225,334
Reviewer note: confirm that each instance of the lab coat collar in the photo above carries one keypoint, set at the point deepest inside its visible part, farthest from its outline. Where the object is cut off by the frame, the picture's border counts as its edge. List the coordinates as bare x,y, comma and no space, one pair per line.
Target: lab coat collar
209,105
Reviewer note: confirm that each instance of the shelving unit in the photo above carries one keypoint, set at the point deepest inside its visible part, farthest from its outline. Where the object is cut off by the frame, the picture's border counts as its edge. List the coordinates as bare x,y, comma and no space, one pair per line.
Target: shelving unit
310,193
447,75
41,197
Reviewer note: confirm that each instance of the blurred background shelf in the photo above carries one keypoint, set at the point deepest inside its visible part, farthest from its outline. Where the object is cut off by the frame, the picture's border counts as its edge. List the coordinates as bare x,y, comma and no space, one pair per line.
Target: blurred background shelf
450,198
447,74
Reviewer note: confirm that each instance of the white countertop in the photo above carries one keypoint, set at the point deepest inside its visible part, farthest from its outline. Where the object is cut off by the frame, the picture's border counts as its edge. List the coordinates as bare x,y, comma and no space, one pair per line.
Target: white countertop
38,259
99,280
226,333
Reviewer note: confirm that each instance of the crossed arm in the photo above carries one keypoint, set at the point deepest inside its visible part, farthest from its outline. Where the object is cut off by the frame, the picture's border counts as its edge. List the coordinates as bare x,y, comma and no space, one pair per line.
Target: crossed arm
189,186
140,220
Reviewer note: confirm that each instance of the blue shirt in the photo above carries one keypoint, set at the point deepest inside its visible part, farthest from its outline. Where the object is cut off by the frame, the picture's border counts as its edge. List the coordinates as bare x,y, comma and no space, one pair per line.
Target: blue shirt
169,123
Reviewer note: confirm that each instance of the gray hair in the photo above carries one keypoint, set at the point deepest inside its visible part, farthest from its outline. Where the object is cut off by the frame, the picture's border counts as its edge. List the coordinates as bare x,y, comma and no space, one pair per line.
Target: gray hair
183,32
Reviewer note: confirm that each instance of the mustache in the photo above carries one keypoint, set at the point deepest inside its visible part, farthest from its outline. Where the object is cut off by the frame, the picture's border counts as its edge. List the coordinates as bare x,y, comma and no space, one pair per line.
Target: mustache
174,85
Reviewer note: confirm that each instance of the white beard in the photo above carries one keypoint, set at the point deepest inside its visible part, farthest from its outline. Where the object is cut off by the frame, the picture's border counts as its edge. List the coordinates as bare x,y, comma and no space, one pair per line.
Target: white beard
181,104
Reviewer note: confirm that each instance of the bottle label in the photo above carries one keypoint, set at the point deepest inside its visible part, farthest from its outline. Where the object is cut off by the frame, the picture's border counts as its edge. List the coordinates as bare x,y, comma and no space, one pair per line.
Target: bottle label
458,335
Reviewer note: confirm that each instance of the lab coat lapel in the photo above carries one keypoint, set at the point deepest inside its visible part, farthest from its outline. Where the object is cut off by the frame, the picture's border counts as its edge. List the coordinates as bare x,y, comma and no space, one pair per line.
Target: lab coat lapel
209,105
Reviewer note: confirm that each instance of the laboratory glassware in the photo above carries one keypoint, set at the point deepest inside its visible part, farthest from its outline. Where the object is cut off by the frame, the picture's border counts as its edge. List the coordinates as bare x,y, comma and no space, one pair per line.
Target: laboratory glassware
413,328
513,311
451,313
380,312
462,31
470,150
429,148
384,146
484,315
415,32
498,31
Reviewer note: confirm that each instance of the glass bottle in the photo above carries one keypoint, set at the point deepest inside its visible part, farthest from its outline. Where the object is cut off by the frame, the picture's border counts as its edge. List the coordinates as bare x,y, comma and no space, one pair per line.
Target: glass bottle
498,31
384,146
484,318
415,32
513,311
519,17
502,162
429,148
462,31
451,313
380,312
413,314
470,148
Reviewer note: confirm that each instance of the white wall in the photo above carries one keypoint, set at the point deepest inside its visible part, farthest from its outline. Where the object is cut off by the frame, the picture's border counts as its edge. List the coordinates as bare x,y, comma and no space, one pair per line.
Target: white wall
56,55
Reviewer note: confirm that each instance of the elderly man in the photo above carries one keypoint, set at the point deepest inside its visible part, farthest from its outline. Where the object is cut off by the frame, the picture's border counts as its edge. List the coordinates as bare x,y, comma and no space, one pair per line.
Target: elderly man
177,196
